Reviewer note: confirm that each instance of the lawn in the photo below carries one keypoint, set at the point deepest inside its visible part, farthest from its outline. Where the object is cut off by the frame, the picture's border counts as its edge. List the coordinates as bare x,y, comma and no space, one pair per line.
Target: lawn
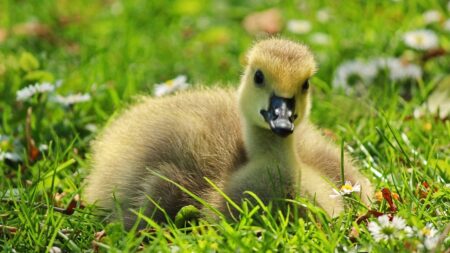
382,92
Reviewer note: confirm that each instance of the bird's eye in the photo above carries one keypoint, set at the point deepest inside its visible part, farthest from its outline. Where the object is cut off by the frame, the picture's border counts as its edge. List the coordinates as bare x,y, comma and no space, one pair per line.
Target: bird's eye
259,78
305,86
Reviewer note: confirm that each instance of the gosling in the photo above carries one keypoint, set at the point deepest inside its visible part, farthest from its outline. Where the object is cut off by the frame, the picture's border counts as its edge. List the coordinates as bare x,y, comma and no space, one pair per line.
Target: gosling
256,139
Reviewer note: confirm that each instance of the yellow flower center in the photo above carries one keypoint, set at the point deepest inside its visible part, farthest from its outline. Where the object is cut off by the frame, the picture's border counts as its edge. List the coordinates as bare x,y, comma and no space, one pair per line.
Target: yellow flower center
379,195
4,145
420,40
426,231
347,187
427,126
169,83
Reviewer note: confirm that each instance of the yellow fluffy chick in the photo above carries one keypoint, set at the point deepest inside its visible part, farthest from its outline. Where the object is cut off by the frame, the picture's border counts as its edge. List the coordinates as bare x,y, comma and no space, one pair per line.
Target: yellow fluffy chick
256,139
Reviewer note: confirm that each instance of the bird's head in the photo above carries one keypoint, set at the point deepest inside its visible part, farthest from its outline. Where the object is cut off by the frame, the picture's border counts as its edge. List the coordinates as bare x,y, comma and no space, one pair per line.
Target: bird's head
274,90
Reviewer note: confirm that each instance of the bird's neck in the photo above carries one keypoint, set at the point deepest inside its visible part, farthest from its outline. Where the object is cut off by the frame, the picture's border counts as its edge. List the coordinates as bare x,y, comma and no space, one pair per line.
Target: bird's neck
264,145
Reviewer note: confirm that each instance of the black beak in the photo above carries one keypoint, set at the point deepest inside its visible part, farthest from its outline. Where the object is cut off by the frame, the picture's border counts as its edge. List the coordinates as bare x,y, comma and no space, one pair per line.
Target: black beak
280,115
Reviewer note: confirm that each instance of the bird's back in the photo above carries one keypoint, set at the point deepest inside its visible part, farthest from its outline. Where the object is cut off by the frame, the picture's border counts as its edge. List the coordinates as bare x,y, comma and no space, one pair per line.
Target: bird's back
185,137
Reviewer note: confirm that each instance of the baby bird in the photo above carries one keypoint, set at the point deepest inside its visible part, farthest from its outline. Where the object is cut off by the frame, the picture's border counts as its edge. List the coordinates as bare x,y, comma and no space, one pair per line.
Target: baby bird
257,139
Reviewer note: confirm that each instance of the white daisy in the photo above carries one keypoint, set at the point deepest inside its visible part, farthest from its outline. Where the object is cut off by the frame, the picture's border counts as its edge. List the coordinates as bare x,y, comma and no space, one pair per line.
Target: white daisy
366,71
174,249
29,91
399,223
428,231
72,99
8,149
437,103
320,38
299,26
55,250
430,236
385,230
431,242
346,189
323,15
170,86
398,69
447,25
91,127
432,16
43,147
409,232
9,156
421,39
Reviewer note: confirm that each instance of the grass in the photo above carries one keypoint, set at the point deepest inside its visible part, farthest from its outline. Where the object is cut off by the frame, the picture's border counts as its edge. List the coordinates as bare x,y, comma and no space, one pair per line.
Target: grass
115,50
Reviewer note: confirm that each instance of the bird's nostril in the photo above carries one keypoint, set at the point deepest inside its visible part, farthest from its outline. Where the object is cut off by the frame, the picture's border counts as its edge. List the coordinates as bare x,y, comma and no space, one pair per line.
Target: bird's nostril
277,111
